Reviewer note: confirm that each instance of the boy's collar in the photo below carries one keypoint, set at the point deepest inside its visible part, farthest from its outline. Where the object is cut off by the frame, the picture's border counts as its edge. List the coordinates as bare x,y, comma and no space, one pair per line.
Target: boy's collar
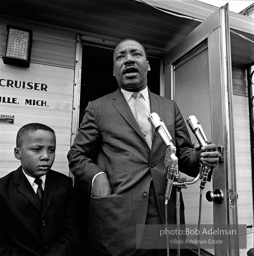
31,179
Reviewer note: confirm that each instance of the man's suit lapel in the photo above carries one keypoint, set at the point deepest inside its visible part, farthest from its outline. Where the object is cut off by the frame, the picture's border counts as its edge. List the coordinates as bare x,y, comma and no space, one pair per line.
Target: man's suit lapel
120,104
154,107
49,192
25,188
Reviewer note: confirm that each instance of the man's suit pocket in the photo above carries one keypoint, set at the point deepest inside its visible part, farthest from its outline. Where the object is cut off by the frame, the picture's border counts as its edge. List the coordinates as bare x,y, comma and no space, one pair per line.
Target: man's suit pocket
115,216
105,218
105,208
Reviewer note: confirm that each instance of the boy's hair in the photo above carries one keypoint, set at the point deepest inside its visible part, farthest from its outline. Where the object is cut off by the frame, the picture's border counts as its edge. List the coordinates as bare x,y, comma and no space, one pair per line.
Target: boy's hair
31,127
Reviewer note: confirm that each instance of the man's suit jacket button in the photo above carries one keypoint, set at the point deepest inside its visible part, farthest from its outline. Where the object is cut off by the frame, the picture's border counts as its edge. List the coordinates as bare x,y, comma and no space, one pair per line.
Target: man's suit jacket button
144,194
43,223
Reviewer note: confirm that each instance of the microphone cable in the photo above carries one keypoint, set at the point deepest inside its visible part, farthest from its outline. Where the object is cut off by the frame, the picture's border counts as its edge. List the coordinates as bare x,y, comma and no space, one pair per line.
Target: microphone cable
199,216
166,223
169,175
197,129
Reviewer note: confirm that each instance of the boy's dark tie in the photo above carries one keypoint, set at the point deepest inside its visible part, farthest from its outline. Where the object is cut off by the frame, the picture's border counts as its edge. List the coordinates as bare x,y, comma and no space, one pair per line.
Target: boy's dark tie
39,193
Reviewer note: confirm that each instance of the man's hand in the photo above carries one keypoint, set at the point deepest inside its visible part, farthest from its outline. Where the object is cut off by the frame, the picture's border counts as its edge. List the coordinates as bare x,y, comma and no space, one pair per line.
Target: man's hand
101,186
209,155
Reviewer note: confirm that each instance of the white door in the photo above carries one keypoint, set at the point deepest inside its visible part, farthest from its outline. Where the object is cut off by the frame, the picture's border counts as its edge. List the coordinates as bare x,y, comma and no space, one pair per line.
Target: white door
199,72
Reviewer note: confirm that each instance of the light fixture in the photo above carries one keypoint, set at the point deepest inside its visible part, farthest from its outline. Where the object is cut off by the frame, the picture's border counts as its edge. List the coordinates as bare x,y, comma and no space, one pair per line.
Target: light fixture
18,46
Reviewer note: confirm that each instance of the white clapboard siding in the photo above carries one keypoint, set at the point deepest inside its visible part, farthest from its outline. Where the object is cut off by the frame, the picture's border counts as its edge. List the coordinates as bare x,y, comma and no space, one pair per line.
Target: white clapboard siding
243,160
52,64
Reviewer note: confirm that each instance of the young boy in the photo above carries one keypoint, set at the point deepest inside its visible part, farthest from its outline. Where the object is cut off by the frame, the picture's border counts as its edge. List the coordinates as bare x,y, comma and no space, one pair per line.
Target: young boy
37,220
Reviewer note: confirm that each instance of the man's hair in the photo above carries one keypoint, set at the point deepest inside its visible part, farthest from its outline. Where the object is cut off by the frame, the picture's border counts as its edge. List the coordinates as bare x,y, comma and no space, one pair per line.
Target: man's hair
31,127
131,39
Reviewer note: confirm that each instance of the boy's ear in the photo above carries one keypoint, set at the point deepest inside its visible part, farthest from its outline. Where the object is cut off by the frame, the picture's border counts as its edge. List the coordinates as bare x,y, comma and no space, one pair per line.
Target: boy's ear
17,153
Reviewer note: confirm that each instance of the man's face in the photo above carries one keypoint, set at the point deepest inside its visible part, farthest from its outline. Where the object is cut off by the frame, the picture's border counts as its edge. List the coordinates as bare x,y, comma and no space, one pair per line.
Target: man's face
130,66
37,153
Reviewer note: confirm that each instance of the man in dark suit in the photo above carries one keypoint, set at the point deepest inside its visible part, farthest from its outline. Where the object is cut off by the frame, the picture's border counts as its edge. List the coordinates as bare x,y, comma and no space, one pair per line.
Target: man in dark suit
120,159
37,219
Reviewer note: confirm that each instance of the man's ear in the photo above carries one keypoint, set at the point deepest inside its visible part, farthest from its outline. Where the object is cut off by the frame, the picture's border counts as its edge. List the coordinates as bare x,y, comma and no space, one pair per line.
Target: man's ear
113,71
17,153
148,66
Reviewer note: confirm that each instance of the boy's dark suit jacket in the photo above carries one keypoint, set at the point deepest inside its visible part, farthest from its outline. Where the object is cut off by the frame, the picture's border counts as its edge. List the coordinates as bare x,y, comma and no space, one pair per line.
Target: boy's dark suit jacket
28,231
110,140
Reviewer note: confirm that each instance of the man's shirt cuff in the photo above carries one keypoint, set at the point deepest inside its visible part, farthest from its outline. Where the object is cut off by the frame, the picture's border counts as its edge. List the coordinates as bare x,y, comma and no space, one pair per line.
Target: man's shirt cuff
96,176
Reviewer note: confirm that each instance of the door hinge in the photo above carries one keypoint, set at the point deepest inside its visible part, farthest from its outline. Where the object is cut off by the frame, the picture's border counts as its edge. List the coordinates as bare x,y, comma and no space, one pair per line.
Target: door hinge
232,197
221,151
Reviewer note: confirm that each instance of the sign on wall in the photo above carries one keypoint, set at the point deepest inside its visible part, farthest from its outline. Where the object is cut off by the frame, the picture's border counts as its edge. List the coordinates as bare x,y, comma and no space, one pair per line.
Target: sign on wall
39,93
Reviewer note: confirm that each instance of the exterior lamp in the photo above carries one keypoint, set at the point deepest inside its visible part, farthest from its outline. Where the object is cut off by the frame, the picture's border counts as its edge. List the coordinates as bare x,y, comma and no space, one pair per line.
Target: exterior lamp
18,46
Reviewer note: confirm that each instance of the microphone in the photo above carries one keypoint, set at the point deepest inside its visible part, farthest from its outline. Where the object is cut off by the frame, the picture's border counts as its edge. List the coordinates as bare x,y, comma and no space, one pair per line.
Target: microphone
160,127
196,128
170,160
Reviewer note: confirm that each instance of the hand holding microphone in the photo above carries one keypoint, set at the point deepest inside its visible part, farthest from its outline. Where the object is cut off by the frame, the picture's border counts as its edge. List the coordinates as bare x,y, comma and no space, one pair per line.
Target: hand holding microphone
209,156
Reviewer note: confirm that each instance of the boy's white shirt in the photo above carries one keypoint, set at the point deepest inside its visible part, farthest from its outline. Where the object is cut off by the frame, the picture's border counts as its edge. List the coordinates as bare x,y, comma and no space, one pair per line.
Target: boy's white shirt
33,184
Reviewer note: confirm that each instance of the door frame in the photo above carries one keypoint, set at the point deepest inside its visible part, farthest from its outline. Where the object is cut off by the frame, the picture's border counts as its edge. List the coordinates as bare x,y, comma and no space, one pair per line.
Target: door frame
215,30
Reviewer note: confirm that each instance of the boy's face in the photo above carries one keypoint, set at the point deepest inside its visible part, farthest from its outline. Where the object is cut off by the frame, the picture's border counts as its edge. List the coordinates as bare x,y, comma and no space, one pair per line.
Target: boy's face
37,153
